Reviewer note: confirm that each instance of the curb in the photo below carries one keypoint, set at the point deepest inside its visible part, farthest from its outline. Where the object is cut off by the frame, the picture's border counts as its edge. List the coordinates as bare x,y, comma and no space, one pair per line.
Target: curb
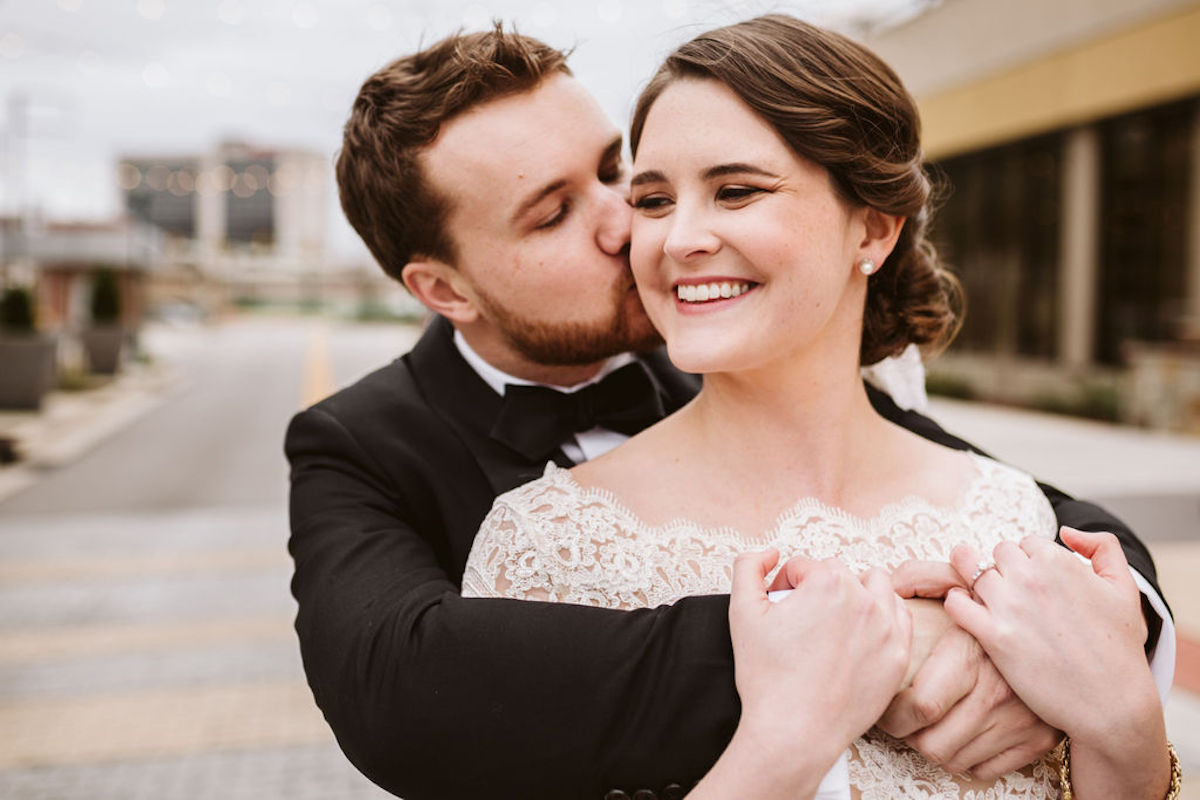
70,424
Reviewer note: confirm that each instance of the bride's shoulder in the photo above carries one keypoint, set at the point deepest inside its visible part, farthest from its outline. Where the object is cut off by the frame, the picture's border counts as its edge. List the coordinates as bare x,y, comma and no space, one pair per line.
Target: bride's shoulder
944,474
555,481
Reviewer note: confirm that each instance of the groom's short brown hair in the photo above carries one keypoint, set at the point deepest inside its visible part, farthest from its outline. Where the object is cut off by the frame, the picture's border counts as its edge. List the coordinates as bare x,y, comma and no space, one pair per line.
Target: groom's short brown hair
399,111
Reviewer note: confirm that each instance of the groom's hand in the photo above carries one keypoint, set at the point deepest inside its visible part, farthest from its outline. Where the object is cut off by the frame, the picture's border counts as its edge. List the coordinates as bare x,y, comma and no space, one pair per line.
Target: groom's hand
959,712
961,715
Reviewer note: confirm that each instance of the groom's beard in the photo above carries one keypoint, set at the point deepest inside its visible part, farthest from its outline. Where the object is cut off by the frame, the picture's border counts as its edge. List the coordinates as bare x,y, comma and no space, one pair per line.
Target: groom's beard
622,328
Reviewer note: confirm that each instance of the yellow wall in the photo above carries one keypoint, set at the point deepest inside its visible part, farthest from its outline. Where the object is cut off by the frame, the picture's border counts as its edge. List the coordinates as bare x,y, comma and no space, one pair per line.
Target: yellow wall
1141,66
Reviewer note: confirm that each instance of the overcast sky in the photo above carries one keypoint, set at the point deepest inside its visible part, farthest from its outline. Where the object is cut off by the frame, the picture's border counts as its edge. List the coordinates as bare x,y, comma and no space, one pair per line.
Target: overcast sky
83,81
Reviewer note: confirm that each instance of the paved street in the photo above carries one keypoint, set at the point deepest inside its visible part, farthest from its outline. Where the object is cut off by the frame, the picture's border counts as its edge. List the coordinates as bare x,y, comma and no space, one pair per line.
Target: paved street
146,648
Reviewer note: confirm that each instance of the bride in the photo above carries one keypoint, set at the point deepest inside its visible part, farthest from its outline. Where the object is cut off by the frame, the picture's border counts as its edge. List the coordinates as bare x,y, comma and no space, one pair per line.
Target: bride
779,245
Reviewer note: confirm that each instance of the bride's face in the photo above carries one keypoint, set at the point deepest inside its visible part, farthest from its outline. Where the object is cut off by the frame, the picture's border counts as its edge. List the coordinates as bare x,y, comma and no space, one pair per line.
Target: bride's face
742,250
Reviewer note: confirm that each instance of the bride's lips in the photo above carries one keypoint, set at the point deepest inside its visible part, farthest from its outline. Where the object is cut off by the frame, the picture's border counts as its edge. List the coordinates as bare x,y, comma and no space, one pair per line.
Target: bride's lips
709,293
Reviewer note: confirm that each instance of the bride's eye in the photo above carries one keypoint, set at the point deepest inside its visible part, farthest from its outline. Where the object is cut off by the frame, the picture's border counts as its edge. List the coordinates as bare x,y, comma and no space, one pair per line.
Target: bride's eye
734,194
652,203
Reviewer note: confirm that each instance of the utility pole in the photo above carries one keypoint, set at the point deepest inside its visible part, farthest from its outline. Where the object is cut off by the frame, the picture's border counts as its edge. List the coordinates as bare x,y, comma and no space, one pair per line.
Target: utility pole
16,125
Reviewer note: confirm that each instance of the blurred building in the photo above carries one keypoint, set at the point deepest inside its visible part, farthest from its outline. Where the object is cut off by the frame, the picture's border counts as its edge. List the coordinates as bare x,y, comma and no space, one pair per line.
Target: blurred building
250,219
1069,135
237,199
60,259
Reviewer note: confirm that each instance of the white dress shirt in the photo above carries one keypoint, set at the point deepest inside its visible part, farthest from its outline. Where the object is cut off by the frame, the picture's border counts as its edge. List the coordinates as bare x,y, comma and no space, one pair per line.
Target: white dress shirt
583,445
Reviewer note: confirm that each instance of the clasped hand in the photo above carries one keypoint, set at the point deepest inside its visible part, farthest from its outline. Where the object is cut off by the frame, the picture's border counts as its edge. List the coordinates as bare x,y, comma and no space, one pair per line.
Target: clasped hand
958,711
952,704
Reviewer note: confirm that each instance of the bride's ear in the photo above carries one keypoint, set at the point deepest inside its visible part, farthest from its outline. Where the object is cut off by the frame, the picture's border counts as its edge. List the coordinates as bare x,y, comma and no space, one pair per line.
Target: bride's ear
880,232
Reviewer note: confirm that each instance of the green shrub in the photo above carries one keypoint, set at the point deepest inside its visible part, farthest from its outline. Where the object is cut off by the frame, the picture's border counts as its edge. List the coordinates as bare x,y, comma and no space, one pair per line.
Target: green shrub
1088,400
106,297
948,385
16,310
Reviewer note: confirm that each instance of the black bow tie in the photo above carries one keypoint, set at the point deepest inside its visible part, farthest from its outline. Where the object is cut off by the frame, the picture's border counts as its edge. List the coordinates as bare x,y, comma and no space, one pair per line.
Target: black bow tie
536,420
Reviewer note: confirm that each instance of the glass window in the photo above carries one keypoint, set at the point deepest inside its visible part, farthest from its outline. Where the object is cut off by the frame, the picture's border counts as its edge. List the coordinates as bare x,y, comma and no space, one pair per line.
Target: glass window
1144,212
998,229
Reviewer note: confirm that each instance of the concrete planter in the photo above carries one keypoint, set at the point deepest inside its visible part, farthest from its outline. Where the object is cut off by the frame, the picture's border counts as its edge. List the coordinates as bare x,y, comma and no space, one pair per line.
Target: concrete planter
27,369
1164,389
102,345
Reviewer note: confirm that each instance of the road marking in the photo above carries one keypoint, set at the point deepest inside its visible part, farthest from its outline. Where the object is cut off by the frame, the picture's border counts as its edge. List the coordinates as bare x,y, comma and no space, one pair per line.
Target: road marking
35,645
148,724
63,570
318,369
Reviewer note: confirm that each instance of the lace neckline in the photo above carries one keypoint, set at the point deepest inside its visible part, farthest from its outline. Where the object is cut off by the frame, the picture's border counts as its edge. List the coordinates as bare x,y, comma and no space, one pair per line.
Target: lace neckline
803,507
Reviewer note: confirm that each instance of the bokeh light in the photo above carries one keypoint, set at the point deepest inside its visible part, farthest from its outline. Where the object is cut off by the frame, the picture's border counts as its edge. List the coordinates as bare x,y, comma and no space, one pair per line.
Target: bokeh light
156,75
151,9
231,12
157,176
223,178
129,177
11,46
379,17
305,16
609,11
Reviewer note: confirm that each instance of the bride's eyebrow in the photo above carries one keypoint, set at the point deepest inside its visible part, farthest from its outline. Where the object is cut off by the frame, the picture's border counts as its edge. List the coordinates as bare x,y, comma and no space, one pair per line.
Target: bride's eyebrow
719,171
722,170
649,176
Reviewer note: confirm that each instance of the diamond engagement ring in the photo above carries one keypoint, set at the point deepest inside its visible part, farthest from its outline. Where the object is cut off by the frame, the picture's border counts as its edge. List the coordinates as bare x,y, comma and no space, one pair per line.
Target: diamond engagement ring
982,566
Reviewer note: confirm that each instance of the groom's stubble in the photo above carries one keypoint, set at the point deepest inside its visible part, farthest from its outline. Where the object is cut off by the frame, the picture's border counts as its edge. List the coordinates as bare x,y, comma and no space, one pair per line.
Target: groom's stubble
624,328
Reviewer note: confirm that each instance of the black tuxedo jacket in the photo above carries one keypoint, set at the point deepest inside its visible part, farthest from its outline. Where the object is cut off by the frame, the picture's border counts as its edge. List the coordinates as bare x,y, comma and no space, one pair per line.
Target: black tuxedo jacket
435,696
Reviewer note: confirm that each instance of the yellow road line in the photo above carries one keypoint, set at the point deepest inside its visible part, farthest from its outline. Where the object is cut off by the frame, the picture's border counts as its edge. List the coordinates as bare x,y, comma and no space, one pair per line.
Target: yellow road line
140,566
33,645
318,369
147,724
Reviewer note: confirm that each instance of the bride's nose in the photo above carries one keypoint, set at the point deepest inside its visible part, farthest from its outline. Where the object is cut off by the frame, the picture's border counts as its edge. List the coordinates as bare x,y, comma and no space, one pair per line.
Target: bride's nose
690,236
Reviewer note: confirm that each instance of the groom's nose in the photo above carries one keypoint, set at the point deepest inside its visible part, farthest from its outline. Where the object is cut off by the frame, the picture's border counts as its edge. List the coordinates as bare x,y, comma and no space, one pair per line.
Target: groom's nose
615,218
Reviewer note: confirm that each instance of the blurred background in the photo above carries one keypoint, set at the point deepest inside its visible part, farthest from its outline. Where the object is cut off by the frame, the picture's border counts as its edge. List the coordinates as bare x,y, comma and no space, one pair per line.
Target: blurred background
178,280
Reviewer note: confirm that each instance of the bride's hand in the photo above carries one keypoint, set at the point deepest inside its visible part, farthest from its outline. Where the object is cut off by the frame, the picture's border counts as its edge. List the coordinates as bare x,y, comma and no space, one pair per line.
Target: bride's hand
1068,637
825,661
958,711
1065,634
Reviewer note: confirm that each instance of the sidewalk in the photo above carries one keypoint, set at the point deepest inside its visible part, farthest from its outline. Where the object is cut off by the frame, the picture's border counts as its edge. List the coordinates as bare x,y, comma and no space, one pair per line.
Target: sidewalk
147,650
70,423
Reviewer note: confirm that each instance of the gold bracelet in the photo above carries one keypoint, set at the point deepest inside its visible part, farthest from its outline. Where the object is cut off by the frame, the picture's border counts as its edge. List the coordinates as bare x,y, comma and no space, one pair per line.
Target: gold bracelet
1063,753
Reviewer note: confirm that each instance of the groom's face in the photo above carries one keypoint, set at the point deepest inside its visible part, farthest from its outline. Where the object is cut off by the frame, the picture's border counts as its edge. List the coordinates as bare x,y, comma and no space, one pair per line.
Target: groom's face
537,187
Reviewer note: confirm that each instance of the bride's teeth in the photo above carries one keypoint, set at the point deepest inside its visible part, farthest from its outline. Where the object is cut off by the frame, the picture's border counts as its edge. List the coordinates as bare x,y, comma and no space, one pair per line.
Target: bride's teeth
703,292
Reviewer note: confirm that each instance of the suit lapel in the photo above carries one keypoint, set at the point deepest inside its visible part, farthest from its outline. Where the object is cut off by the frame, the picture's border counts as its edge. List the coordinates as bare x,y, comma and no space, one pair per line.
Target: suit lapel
469,406
674,387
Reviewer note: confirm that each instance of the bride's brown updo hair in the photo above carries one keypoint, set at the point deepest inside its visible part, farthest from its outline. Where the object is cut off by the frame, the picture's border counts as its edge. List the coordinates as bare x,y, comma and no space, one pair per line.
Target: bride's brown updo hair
838,105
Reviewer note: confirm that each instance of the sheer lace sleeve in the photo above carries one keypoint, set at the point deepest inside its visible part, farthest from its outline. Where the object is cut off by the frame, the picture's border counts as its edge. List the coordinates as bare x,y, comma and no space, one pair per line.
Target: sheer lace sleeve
506,560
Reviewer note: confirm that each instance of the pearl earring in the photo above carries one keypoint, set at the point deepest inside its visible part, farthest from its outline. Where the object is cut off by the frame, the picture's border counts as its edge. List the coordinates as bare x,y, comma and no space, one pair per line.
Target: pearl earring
866,266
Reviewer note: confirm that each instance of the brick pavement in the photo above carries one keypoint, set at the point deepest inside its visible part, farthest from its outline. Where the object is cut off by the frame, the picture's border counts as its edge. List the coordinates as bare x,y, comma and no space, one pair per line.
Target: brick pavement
153,657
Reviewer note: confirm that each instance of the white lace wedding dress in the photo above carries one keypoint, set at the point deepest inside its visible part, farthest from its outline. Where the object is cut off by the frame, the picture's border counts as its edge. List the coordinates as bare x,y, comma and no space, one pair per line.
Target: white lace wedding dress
555,540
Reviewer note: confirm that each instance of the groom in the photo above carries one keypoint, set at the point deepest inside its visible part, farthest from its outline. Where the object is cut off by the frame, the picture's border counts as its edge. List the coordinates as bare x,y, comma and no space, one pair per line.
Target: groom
487,180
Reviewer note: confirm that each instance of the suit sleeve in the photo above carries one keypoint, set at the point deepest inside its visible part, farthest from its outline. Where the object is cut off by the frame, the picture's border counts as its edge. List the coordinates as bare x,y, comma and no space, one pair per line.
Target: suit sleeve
435,696
1069,511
